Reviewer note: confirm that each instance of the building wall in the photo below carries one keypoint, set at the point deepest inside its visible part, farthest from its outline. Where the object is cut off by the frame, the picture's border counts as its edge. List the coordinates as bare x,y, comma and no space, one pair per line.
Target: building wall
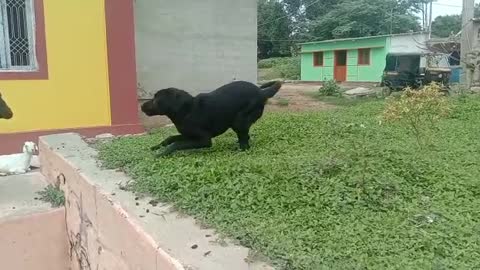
195,45
355,73
407,43
76,92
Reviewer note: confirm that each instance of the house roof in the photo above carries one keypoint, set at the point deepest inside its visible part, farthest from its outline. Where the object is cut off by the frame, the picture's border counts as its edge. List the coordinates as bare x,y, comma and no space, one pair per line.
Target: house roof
360,38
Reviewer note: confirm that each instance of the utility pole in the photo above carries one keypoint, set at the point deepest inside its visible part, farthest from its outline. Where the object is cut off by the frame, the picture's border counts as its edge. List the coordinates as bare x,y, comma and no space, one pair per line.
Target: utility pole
430,19
467,39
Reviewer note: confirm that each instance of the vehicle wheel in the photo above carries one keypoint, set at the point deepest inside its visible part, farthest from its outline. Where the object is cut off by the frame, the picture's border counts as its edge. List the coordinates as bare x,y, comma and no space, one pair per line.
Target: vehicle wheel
386,91
445,91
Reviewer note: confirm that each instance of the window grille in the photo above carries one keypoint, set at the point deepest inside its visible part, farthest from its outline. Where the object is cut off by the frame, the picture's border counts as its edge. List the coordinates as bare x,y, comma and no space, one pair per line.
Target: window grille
17,42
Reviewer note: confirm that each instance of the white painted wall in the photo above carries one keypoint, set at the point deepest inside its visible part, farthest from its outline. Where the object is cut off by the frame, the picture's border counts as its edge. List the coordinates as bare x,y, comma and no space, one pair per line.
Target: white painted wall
407,43
195,45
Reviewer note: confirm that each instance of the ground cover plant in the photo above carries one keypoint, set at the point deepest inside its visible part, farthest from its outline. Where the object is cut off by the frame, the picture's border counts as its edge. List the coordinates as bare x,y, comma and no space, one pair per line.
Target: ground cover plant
342,189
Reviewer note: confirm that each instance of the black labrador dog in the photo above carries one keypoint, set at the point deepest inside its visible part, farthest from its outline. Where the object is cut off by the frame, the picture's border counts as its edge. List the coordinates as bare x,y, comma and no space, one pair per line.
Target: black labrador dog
237,105
5,111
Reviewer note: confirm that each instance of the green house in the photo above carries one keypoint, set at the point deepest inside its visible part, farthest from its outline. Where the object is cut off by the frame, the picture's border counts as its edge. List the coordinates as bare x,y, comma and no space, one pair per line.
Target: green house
355,59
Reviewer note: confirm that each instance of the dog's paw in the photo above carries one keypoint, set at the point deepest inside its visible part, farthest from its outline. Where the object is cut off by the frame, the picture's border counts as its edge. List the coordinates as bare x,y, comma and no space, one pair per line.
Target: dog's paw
165,144
244,147
155,148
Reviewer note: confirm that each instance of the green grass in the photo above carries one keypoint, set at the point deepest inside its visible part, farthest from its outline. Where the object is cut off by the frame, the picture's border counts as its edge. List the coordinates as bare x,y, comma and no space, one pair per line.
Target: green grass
341,100
329,190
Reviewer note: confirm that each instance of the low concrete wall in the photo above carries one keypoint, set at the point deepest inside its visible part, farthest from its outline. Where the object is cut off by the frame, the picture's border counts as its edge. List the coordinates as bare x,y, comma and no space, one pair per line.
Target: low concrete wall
101,235
35,241
112,228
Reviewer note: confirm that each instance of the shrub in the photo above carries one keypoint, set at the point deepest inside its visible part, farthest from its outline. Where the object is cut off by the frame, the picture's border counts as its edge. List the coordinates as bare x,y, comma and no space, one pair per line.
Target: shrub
419,110
268,63
287,67
283,102
330,88
52,195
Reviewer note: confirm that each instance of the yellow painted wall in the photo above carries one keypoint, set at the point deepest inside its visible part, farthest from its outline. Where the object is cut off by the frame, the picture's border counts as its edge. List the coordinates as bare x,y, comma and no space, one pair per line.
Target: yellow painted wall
77,91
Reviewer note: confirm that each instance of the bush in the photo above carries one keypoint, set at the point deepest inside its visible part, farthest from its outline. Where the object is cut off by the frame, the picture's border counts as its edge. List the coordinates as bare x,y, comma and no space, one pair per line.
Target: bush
268,63
419,110
287,67
330,88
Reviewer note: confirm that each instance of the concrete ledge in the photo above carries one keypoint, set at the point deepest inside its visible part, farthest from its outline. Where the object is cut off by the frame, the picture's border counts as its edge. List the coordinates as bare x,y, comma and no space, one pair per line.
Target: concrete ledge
100,232
35,241
110,228
16,140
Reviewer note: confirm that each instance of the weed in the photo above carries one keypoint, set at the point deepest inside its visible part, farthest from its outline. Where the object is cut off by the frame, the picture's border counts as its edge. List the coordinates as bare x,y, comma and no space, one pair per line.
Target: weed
330,89
52,195
283,102
420,110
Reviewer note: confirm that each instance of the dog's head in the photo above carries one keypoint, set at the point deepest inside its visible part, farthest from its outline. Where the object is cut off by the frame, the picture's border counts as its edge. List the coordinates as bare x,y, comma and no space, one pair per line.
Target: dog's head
30,148
5,111
168,101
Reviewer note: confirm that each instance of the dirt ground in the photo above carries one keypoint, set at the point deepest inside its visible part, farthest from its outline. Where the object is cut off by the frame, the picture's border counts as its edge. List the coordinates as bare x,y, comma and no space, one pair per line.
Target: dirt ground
291,98
297,98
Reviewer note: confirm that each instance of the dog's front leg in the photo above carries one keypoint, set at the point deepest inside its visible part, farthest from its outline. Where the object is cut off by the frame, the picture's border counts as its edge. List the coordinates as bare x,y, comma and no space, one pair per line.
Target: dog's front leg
167,142
187,144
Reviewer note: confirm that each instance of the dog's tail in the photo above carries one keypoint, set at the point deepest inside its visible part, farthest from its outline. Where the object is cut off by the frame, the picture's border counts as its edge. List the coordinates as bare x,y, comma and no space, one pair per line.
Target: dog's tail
270,89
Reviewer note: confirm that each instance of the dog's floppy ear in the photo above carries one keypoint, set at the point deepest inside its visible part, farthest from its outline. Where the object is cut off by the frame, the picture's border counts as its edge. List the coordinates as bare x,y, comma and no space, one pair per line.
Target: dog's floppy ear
180,100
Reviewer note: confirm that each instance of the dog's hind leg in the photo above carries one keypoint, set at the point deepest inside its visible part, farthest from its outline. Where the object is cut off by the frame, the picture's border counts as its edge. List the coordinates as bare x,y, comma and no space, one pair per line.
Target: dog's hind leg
167,142
242,126
186,144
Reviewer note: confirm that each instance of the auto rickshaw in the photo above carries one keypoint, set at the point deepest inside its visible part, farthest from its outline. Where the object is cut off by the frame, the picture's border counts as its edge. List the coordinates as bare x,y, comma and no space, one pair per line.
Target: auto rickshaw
415,70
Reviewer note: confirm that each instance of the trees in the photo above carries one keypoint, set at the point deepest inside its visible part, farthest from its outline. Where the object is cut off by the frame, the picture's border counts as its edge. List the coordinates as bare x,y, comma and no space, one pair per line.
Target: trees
274,29
356,18
281,21
443,26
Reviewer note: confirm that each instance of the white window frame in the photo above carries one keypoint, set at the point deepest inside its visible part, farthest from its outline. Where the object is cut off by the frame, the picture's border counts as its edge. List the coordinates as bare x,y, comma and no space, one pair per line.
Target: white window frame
5,61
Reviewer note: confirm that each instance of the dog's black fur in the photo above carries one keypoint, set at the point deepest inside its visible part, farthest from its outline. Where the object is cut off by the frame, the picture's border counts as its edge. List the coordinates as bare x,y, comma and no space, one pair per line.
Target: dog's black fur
237,105
5,111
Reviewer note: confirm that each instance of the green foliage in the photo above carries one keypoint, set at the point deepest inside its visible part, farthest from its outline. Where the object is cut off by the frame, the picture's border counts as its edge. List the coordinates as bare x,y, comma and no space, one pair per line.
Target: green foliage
285,67
420,110
52,195
329,190
444,26
273,25
331,19
283,102
330,88
267,63
281,24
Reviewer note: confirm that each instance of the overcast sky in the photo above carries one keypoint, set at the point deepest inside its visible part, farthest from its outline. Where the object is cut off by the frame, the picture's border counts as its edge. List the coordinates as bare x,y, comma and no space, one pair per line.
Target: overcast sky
448,7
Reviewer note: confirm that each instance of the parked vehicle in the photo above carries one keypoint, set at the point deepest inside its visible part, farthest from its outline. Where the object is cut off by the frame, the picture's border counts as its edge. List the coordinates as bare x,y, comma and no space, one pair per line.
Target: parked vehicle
415,71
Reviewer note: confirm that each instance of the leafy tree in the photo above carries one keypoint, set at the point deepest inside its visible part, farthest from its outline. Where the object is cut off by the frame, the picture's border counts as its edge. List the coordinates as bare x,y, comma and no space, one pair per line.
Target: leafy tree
273,29
443,26
294,20
356,18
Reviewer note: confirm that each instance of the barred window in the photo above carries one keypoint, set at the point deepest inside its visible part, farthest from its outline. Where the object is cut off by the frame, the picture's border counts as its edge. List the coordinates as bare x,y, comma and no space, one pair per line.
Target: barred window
17,46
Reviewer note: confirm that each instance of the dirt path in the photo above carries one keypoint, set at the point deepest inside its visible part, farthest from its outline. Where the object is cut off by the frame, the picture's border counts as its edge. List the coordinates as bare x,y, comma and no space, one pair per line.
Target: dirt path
297,98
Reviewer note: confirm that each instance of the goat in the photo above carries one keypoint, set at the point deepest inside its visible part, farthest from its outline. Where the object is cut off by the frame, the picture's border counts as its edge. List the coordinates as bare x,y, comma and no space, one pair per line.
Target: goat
18,163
